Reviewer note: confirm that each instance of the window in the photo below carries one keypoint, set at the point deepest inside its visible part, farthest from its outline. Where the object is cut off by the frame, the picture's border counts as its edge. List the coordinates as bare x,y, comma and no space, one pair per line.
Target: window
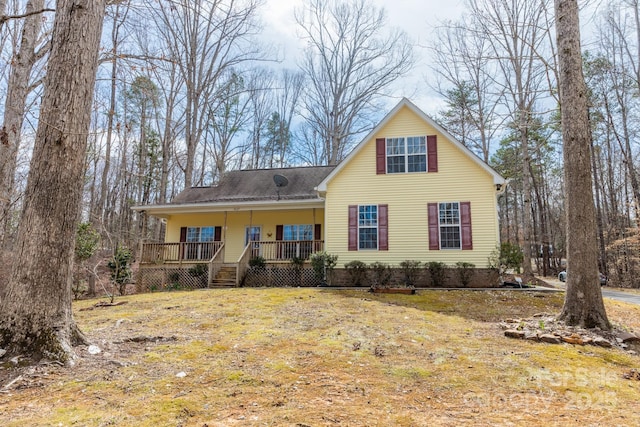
297,239
368,227
200,234
298,232
449,220
199,241
406,154
450,225
253,234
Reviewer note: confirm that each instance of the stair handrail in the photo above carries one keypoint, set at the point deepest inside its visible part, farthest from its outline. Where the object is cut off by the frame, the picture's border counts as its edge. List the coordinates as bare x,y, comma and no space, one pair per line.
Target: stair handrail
215,263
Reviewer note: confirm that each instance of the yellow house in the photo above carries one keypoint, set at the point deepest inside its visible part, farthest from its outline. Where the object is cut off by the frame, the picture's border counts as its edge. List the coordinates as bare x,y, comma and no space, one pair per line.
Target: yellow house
408,191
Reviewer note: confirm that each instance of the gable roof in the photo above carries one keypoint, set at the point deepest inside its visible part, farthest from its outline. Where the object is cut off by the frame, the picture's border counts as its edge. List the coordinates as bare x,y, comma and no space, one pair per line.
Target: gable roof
497,178
248,189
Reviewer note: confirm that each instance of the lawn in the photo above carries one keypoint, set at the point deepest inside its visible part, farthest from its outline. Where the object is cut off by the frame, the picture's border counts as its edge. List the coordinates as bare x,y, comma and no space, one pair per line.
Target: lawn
317,357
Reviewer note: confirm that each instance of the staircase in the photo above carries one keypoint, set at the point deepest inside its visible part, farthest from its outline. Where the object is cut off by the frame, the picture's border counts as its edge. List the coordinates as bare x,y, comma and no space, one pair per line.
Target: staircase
225,277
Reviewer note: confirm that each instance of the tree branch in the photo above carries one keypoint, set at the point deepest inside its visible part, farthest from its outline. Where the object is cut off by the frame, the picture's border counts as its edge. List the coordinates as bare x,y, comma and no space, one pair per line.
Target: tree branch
5,18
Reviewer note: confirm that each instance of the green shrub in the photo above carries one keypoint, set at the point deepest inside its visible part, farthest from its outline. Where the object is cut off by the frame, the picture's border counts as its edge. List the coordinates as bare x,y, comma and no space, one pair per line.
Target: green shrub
120,266
357,272
87,242
437,273
174,277
465,272
297,262
381,274
411,271
258,262
507,256
323,264
200,271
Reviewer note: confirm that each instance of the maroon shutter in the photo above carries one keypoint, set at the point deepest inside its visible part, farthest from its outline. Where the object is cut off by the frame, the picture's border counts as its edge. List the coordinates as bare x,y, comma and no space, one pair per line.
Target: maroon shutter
317,237
353,227
434,233
383,228
217,234
432,153
465,225
381,156
183,239
279,237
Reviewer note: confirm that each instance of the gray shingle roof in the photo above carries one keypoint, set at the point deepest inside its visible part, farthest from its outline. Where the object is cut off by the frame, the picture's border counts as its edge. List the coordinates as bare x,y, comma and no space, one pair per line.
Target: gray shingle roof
258,185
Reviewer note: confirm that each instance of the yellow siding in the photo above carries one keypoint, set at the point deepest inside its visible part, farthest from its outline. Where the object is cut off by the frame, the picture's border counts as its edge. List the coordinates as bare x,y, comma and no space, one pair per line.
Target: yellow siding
458,179
234,224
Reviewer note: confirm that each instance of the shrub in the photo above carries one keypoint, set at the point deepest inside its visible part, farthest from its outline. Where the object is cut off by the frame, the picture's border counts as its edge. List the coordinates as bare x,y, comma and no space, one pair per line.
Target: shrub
297,262
200,271
508,255
436,271
120,266
174,277
465,272
381,274
411,271
323,264
87,242
258,262
357,272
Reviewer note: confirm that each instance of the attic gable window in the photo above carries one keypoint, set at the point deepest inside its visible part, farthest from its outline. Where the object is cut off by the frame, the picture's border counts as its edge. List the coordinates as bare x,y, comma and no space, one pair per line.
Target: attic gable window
406,154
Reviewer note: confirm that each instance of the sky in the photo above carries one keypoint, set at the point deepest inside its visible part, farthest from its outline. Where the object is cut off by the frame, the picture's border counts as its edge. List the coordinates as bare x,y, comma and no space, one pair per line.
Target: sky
415,17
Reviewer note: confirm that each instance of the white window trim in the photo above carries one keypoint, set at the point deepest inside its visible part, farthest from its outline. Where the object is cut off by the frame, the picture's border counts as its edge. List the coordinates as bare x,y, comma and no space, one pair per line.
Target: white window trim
405,155
369,227
459,226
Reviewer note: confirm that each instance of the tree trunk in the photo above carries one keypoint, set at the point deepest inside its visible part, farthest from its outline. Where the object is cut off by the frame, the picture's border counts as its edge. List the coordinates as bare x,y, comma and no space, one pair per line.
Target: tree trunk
35,310
583,303
11,129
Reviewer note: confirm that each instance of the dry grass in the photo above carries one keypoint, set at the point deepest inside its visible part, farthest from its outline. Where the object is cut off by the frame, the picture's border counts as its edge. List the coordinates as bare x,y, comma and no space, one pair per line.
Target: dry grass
311,357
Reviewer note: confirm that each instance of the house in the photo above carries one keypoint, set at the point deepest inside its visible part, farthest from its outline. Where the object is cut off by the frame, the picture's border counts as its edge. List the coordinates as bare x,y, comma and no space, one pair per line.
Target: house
408,191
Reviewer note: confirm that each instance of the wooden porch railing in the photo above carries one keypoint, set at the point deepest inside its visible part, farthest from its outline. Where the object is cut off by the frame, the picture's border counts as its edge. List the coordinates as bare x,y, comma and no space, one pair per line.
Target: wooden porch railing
160,253
283,250
216,263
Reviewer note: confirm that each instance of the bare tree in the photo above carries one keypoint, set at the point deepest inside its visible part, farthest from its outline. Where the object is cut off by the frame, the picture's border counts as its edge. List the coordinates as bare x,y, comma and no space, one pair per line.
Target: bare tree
583,303
350,61
18,88
467,73
517,32
206,39
118,14
35,307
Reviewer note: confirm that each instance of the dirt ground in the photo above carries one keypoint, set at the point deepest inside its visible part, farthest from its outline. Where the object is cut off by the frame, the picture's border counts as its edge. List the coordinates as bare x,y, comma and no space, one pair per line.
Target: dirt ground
313,357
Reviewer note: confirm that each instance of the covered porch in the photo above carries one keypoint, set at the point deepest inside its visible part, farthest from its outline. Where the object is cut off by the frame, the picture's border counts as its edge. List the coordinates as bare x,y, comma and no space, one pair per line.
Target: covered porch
200,259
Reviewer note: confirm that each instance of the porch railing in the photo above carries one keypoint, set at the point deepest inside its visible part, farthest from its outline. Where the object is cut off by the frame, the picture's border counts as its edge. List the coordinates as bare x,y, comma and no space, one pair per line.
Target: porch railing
215,264
159,253
283,250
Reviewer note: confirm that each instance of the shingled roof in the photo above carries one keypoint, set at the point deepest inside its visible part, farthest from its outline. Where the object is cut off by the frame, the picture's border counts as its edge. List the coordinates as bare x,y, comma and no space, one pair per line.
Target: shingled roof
258,185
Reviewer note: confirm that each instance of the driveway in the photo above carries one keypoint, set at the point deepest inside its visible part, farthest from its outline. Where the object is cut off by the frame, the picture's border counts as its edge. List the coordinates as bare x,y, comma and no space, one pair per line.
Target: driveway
606,292
621,296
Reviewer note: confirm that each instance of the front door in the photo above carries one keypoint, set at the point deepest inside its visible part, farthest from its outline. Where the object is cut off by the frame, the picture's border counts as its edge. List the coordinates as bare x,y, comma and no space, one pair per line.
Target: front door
253,234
